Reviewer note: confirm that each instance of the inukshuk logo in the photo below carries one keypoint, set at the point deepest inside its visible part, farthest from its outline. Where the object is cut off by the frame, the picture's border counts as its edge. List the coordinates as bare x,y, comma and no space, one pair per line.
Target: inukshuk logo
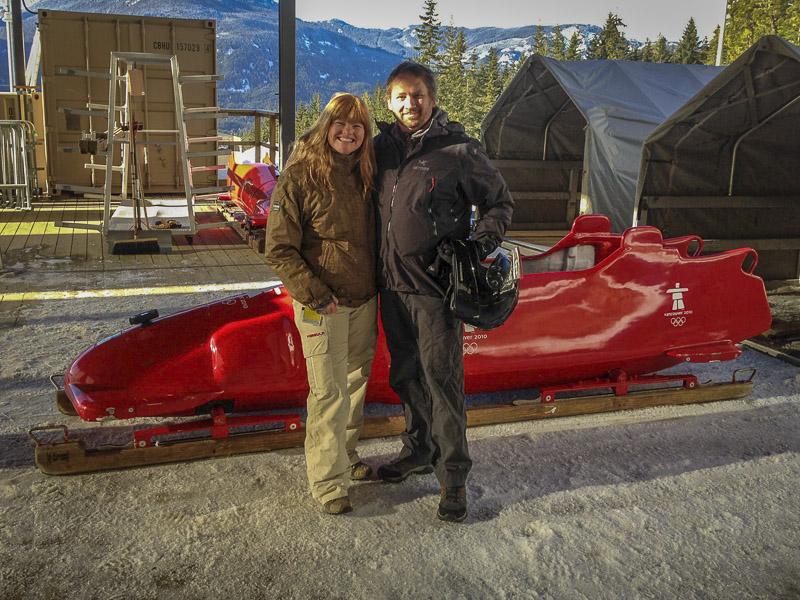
678,314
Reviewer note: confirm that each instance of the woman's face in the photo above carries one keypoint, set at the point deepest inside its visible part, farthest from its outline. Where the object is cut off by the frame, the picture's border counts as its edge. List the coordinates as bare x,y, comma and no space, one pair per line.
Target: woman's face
345,136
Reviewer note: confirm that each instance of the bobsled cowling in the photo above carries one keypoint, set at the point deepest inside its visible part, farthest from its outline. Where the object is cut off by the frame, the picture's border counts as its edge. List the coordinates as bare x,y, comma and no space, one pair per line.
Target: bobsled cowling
596,302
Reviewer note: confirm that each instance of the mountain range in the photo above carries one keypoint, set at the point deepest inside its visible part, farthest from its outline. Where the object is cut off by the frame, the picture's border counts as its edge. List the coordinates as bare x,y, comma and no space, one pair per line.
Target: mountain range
331,55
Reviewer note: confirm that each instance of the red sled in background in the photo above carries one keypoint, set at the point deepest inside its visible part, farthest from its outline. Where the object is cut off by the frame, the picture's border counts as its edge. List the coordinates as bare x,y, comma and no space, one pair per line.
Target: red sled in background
595,305
252,184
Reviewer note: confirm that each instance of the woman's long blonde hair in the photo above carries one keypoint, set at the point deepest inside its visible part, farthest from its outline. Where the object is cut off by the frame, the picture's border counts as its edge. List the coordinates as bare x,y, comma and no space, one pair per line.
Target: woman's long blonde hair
313,155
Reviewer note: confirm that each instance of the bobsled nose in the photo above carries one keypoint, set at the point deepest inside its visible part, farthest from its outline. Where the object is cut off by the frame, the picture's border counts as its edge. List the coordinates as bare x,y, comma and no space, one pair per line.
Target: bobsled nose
96,381
109,364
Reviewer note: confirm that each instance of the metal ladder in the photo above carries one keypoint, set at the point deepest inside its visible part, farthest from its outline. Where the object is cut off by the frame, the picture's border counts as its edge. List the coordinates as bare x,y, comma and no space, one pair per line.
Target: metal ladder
119,133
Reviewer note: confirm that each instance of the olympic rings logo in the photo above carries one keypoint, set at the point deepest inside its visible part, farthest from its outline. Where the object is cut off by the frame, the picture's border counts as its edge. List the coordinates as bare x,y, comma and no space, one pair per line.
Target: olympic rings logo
678,321
470,348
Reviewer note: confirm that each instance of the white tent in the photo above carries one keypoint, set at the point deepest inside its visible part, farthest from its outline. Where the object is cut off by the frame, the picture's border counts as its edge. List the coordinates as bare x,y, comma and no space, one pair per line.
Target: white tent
558,118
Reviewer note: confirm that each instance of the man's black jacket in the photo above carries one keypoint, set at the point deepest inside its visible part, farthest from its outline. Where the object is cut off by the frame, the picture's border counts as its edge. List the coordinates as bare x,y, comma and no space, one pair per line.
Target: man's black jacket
426,186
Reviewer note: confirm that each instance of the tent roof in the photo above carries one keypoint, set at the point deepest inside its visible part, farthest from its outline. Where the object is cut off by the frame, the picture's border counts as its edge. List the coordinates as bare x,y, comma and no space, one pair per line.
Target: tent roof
736,136
543,112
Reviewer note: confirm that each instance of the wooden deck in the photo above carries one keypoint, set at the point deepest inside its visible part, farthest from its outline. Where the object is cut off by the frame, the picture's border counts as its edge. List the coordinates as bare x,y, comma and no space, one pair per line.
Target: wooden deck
30,242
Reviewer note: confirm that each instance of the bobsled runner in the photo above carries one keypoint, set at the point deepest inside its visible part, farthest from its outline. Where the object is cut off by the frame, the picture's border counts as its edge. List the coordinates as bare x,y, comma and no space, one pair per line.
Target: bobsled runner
251,188
598,310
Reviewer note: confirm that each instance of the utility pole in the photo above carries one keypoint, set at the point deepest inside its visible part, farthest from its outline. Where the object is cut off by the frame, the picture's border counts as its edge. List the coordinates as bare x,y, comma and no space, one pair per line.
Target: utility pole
12,15
286,75
722,34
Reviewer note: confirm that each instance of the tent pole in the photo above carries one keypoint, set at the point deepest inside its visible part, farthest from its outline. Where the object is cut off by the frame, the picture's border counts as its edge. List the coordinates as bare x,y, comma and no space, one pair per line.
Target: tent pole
547,128
748,132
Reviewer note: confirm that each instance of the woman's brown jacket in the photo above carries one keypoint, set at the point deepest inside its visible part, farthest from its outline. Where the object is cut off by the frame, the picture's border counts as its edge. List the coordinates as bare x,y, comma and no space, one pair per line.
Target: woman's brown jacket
321,242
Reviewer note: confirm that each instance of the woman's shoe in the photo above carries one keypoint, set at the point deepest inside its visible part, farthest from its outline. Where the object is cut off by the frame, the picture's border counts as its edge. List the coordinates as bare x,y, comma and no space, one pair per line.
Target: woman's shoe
360,470
338,506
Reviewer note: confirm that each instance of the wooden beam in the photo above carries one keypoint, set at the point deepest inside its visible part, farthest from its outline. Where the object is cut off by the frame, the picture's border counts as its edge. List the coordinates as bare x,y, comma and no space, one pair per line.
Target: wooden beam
661,202
72,457
574,203
517,195
507,163
543,227
755,244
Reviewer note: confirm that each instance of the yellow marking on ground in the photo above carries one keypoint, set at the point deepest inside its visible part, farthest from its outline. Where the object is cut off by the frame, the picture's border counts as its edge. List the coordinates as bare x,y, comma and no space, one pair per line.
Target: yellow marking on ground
140,291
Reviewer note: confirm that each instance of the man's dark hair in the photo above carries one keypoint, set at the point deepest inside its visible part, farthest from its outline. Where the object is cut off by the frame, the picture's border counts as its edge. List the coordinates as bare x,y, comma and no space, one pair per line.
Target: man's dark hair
409,67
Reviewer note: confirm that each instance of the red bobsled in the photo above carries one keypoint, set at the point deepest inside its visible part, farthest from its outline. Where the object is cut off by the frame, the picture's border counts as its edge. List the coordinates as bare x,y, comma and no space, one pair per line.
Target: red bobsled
596,303
252,188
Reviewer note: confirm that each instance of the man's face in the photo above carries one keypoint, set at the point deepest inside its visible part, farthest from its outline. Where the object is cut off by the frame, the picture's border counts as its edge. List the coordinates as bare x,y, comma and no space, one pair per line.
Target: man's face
410,102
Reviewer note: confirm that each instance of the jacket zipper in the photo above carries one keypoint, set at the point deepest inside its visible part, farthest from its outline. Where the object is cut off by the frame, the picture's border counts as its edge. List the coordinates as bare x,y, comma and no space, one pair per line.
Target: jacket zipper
402,164
430,208
391,205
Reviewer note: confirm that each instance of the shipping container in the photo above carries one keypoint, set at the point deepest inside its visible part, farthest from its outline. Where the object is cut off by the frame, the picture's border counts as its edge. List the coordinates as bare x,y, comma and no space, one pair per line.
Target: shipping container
84,42
9,106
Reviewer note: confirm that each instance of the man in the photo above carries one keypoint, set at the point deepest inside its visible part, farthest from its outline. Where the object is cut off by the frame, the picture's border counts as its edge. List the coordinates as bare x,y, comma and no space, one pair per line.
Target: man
430,174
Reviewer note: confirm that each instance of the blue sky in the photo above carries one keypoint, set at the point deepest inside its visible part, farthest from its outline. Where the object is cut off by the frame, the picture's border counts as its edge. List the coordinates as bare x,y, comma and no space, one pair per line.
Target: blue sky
644,18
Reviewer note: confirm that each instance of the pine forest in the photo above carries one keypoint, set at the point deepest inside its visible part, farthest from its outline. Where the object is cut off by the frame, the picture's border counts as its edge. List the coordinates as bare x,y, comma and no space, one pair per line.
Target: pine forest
469,84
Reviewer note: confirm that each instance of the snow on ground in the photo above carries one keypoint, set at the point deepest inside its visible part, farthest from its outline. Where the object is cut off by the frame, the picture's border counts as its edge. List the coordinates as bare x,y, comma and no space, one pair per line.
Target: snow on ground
697,501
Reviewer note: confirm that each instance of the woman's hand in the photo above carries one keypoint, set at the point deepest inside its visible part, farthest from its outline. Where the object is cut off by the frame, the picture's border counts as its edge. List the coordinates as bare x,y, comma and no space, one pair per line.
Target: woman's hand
331,308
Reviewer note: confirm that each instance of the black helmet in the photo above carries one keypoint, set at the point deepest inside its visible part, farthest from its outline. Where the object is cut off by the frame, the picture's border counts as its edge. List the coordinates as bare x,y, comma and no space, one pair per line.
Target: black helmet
483,294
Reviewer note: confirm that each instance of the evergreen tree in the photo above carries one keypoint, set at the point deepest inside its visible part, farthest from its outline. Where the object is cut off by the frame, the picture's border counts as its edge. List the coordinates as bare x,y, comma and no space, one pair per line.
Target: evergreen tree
610,42
558,48
749,20
452,84
369,101
315,108
774,12
647,51
791,30
574,47
473,91
374,100
710,49
301,120
306,115
688,50
490,82
429,36
705,50
511,69
540,45
378,109
507,73
661,51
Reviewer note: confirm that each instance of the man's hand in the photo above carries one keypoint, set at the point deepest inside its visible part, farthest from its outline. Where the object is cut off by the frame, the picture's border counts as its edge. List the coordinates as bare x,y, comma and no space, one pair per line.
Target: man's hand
484,247
440,268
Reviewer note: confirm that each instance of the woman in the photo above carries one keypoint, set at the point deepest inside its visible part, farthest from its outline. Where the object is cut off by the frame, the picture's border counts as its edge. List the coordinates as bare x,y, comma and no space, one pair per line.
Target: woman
320,242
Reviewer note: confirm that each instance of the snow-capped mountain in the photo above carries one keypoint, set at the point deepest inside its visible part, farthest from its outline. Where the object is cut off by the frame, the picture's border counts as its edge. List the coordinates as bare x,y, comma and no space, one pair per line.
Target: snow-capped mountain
331,56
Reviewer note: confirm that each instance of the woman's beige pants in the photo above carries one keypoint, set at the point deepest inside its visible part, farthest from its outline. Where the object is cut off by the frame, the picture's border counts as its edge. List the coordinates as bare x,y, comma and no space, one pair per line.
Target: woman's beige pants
339,349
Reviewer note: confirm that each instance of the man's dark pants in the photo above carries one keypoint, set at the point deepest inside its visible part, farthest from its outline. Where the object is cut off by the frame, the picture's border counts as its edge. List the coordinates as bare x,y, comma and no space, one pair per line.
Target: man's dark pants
425,341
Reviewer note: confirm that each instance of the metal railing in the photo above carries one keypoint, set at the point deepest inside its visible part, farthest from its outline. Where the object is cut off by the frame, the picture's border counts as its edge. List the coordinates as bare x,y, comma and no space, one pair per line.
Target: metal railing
18,170
271,145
